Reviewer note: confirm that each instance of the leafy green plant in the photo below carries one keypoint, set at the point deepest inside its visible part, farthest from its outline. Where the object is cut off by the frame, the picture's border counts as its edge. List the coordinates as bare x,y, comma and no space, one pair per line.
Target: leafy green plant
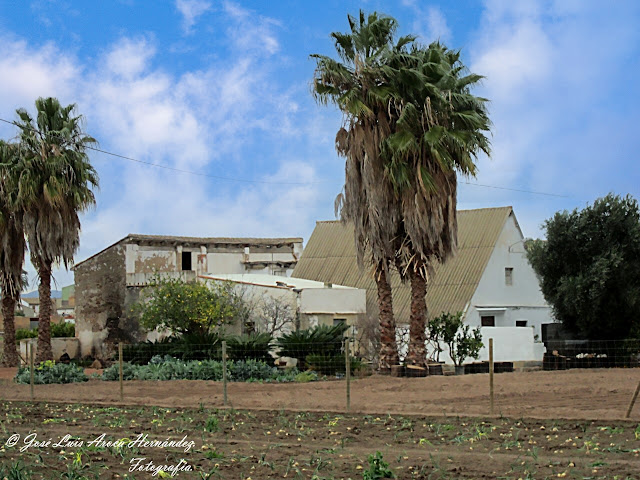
323,340
378,468
463,342
58,330
330,364
254,347
15,471
51,372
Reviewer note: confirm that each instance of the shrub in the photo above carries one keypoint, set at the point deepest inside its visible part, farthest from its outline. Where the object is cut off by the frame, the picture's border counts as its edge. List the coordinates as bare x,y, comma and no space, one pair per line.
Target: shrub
243,370
330,364
322,339
183,347
254,347
58,330
51,372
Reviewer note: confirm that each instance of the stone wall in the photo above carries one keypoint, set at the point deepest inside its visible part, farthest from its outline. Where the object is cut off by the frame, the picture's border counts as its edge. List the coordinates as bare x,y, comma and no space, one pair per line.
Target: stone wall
100,301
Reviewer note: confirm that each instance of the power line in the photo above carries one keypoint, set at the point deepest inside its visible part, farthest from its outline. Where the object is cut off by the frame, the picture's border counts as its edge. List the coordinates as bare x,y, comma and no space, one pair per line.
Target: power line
266,182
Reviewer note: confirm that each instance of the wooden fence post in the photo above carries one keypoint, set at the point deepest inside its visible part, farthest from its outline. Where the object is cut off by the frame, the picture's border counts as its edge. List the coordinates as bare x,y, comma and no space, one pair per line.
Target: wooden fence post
347,372
120,371
224,372
633,401
31,366
491,375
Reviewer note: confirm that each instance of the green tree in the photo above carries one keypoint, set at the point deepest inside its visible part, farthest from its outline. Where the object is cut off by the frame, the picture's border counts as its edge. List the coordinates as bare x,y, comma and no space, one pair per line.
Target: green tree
411,123
189,308
589,268
462,341
12,250
55,182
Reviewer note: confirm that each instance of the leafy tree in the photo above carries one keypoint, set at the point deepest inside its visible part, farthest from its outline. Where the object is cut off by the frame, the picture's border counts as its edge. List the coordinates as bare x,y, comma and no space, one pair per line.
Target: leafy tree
462,341
193,308
54,179
12,250
589,268
411,123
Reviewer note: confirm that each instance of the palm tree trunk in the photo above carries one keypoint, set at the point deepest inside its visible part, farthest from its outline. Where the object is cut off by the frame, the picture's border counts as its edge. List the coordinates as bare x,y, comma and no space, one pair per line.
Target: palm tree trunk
44,351
417,354
10,351
388,345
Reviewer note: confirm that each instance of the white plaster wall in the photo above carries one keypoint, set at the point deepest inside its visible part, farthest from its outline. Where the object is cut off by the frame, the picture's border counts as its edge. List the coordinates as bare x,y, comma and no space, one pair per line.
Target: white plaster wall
510,344
523,299
225,262
333,300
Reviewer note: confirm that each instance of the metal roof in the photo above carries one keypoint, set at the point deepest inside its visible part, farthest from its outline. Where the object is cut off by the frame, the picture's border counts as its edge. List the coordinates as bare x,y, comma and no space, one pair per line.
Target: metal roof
330,256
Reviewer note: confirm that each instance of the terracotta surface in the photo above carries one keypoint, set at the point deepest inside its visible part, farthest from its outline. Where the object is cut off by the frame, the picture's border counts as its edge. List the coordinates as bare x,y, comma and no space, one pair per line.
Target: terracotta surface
573,394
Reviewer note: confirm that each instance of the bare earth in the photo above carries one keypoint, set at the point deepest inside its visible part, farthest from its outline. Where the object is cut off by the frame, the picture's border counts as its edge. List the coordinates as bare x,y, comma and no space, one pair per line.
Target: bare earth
602,394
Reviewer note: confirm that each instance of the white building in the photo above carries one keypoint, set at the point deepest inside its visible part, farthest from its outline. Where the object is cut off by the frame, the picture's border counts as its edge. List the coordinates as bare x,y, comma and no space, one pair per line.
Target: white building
489,280
306,302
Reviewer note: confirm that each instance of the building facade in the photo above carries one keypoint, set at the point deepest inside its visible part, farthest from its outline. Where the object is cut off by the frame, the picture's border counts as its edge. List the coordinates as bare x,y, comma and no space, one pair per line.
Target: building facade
109,282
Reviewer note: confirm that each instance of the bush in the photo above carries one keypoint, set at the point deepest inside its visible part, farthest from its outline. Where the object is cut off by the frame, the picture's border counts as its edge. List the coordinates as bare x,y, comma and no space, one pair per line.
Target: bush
320,340
183,347
254,347
57,330
330,364
51,372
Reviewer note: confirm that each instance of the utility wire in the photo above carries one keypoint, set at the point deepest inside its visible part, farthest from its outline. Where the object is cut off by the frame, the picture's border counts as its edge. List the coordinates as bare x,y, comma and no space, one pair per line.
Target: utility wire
266,182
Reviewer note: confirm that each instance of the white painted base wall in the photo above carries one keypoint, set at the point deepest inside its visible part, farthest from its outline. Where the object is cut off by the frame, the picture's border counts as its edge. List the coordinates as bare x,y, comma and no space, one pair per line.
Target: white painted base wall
510,344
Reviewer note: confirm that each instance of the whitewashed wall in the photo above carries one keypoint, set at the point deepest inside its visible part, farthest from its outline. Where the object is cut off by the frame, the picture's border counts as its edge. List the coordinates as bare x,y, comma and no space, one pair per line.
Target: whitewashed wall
523,299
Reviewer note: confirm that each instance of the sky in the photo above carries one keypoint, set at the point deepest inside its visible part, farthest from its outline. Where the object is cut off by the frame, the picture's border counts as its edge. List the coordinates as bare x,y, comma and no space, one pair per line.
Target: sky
222,89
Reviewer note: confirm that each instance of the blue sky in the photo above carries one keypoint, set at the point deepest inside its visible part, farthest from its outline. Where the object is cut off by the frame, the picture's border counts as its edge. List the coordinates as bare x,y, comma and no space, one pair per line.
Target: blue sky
222,88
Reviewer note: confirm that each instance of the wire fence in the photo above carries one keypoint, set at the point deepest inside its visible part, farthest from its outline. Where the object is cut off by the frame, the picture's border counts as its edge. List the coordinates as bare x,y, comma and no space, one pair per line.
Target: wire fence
569,354
276,361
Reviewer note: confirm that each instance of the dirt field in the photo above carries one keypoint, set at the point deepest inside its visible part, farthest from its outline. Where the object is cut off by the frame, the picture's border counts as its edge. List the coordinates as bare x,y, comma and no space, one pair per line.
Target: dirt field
253,445
575,394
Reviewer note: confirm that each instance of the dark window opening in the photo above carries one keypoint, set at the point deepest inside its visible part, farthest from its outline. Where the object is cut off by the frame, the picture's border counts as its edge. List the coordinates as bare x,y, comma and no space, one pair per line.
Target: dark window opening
339,321
521,323
488,321
508,276
186,261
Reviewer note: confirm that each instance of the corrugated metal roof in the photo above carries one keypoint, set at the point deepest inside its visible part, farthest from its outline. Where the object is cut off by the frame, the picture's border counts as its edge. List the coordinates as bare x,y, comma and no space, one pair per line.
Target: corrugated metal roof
330,256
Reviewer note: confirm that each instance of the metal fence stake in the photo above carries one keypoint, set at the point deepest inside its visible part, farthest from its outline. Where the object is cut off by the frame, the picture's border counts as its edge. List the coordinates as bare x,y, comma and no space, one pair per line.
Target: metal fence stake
347,372
224,372
491,375
120,371
31,362
633,401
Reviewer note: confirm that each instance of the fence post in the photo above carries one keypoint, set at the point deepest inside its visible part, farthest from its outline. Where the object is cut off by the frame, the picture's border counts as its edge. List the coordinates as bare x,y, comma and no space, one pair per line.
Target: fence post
224,372
633,401
31,361
491,375
347,372
120,371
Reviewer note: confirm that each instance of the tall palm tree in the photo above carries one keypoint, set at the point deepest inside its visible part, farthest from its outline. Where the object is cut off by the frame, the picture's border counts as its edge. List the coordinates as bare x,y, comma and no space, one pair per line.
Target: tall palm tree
355,85
55,184
12,249
439,128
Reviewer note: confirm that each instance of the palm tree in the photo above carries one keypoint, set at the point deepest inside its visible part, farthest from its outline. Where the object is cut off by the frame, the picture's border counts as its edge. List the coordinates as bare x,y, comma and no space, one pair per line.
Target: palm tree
439,128
355,85
410,125
12,249
55,184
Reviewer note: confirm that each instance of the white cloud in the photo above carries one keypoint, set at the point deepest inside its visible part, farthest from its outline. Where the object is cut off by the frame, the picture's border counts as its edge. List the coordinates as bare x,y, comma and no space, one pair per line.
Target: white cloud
252,33
430,23
191,10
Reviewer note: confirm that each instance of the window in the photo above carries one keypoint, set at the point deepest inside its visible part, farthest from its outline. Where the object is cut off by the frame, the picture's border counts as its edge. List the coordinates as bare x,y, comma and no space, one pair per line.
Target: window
488,321
186,261
508,276
521,323
339,321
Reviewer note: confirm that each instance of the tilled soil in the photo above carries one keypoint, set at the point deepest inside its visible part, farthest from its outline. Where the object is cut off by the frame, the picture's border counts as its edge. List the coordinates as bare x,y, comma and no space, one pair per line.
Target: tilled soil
235,444
573,394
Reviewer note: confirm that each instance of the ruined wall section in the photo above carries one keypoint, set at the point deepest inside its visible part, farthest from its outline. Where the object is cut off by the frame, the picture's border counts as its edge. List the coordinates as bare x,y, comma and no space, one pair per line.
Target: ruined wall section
100,298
